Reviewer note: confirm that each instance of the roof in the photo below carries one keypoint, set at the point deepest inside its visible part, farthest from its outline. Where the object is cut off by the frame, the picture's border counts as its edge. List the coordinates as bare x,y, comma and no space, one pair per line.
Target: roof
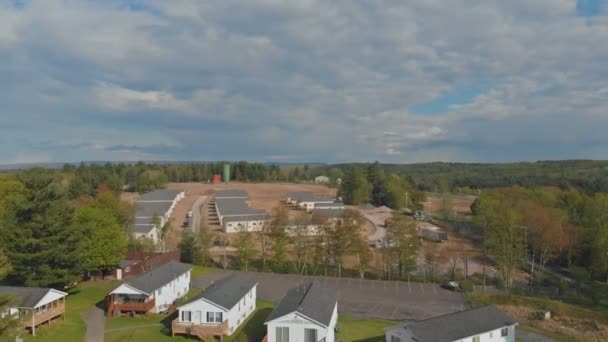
156,278
163,195
325,213
311,300
300,196
226,292
236,207
149,209
231,193
459,325
142,228
30,296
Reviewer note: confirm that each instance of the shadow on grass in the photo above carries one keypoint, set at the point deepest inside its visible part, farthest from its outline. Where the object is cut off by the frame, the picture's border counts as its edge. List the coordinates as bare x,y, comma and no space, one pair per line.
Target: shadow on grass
254,329
167,320
101,305
372,339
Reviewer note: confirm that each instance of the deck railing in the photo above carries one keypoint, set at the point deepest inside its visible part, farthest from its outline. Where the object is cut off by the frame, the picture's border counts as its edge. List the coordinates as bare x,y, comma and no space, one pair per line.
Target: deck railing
203,331
45,316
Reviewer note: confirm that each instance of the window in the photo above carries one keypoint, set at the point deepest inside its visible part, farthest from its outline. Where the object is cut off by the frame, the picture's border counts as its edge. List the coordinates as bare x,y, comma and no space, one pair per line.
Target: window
395,339
186,316
476,339
310,335
127,269
214,317
282,334
504,332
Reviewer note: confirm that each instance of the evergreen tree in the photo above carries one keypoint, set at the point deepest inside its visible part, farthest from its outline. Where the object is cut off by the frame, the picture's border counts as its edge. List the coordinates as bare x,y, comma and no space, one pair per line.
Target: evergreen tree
39,238
190,249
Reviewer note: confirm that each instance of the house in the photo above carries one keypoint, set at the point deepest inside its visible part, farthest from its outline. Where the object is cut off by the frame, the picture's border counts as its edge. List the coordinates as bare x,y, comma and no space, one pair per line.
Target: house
234,213
307,313
309,201
219,310
157,204
483,324
35,305
322,180
150,292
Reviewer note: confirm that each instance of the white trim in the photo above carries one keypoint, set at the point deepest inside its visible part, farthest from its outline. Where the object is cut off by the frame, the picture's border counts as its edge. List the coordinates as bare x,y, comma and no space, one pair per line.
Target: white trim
115,291
301,316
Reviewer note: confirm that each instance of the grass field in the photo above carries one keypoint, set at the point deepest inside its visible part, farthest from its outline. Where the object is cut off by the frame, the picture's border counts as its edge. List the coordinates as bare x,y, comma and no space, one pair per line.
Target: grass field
82,297
359,330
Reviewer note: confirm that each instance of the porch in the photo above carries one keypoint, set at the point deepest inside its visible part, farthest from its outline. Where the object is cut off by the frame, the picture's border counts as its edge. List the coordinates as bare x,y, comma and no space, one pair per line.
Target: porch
43,314
204,331
117,303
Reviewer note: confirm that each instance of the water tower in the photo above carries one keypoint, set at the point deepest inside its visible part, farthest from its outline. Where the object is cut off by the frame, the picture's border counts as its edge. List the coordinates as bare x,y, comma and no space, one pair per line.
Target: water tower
226,172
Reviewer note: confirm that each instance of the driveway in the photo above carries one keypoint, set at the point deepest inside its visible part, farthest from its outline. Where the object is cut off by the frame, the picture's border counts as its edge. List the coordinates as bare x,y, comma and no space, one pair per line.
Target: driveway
197,208
361,298
95,321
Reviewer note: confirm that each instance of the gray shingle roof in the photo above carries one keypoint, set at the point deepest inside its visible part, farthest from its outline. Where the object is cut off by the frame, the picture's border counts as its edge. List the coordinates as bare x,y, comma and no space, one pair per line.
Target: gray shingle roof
231,193
125,263
227,291
167,195
156,278
142,228
148,209
329,205
325,213
311,300
29,296
236,206
459,325
257,217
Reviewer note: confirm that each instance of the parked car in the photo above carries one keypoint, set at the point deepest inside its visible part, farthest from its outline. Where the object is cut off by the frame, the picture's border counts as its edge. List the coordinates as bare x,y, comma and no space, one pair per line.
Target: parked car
452,286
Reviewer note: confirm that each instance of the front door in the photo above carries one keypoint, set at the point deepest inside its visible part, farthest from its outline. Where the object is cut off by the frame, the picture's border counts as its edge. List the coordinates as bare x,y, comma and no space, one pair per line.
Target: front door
198,317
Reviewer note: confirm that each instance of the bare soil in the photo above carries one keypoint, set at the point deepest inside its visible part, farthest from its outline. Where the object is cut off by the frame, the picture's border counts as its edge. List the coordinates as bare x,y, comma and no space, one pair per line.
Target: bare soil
461,204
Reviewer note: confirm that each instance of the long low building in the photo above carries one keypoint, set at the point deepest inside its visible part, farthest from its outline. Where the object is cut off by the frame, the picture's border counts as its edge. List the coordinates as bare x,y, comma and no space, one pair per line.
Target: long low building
309,201
159,204
235,214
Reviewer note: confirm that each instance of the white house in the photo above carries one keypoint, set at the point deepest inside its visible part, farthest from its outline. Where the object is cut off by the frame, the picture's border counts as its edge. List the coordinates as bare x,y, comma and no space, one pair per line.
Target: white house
219,310
151,292
249,223
159,204
37,305
483,324
234,213
322,180
307,313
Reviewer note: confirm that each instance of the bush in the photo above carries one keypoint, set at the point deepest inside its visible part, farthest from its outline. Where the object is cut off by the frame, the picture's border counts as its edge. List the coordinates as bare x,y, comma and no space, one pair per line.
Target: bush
467,285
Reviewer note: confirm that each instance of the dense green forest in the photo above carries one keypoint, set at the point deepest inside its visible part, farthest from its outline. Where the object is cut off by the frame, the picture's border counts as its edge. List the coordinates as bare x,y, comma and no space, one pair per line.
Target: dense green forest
586,175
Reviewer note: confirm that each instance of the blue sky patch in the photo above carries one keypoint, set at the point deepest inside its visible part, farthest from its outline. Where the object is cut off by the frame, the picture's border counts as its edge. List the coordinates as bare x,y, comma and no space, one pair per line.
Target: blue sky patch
590,7
460,95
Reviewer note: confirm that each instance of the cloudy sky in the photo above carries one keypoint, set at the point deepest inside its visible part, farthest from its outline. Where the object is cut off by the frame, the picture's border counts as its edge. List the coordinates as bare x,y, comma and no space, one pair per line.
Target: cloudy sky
303,80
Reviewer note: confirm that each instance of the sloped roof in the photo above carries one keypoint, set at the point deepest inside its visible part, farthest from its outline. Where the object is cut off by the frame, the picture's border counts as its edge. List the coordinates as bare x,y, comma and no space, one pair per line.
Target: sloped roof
329,205
459,325
231,193
255,217
166,195
156,278
227,291
322,214
149,209
29,296
236,207
311,300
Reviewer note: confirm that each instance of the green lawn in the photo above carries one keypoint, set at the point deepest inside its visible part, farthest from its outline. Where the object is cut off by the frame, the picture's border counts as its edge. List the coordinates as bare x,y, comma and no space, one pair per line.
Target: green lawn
198,271
82,297
360,330
252,330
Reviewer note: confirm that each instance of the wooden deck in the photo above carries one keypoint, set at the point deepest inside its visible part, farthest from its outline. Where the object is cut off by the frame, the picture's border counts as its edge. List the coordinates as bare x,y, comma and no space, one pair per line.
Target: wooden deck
46,316
205,332
142,307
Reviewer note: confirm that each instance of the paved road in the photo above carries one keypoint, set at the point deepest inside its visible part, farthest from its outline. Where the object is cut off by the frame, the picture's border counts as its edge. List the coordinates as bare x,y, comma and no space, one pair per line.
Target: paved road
362,298
531,337
95,320
197,207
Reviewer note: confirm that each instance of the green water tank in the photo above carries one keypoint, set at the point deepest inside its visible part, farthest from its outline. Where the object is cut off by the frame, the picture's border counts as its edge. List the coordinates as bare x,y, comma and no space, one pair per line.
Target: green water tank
226,175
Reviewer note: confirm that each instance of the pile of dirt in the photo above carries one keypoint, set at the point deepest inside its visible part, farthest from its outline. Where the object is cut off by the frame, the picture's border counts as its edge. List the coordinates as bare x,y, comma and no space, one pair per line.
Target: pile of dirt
568,326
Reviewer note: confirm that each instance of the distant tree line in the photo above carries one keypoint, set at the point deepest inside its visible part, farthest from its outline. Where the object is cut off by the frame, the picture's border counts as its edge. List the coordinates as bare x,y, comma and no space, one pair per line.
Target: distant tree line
371,183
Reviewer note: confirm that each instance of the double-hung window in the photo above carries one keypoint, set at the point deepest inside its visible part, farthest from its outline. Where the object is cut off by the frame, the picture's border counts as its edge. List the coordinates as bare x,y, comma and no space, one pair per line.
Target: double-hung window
214,317
186,316
504,332
282,334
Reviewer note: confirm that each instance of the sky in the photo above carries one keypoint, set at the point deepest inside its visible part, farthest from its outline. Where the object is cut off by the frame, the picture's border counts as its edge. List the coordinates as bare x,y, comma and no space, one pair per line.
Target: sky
303,80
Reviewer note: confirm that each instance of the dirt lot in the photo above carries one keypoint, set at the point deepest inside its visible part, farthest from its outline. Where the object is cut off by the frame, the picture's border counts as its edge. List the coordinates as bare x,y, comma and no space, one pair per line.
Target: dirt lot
461,204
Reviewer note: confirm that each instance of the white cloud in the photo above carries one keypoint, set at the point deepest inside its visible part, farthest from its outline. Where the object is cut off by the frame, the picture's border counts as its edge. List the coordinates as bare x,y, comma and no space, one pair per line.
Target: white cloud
326,79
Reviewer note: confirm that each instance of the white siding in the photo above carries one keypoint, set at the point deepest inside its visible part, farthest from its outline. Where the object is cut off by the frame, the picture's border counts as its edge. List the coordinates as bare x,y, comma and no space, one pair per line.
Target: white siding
239,226
51,296
491,336
235,315
153,235
171,292
297,325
